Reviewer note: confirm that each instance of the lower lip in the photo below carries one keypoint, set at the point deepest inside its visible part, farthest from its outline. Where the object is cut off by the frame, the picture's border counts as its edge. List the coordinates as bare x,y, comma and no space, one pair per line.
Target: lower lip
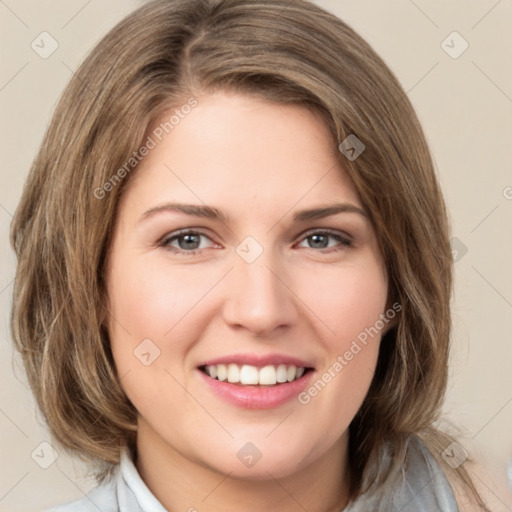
254,397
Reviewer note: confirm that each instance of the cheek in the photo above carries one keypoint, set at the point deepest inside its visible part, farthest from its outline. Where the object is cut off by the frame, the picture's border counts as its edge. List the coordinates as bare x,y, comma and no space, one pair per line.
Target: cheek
147,302
153,315
350,301
347,299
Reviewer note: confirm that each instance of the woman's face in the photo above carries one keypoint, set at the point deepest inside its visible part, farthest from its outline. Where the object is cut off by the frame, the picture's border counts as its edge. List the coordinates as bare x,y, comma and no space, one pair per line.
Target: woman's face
242,279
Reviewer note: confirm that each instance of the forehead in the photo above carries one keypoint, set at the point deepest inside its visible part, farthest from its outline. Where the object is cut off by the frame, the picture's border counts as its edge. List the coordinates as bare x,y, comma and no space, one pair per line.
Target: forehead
242,152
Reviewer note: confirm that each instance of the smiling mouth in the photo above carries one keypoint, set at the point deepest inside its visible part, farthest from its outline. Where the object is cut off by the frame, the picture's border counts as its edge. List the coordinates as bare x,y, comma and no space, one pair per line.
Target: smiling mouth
248,375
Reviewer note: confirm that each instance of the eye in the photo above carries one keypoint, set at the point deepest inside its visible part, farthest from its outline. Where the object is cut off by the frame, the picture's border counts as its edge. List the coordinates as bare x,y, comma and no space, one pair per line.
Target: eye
188,242
320,240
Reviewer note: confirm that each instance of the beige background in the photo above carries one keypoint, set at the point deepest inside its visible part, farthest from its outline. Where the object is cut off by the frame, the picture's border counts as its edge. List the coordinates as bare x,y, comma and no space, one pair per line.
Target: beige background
465,105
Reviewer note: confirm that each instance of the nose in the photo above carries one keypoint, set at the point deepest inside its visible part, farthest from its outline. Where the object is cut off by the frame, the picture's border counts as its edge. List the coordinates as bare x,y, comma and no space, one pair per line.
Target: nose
259,297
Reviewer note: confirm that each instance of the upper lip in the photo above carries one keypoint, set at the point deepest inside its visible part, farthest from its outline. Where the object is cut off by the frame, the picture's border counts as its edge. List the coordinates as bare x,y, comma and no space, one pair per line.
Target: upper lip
258,360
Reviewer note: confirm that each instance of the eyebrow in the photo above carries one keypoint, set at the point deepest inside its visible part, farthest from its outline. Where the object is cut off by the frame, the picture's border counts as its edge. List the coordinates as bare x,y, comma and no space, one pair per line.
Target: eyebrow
210,212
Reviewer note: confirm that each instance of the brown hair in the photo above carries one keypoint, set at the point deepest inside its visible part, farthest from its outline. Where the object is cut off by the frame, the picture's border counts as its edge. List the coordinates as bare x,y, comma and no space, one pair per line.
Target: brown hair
158,57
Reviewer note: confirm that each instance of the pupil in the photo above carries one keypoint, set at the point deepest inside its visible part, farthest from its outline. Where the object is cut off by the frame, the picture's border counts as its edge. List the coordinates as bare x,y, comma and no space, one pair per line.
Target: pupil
190,240
315,241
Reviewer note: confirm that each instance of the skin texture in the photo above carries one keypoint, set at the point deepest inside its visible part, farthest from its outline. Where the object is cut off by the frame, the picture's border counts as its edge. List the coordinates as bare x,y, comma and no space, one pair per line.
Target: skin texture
259,163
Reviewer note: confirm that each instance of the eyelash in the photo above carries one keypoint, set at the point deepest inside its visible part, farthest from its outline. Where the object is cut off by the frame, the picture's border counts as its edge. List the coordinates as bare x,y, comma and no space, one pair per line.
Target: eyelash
345,241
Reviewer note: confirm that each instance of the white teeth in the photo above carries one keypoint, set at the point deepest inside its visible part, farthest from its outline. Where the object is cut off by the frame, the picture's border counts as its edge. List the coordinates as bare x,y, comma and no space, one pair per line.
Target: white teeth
268,376
222,372
248,375
281,373
233,373
213,371
291,372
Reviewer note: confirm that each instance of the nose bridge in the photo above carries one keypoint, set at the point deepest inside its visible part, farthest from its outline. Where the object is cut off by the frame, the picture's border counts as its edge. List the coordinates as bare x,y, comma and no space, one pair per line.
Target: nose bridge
257,297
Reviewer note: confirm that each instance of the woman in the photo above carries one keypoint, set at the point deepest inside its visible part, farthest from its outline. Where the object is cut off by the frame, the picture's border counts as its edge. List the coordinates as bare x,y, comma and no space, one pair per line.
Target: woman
234,270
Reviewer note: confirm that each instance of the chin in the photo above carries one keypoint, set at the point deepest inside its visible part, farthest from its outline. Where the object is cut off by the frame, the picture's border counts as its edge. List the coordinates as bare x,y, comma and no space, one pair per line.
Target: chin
263,470
248,462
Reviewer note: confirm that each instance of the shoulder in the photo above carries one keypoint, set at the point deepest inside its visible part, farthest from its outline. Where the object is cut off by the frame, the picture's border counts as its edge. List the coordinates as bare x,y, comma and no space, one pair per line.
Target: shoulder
425,486
420,486
102,497
125,491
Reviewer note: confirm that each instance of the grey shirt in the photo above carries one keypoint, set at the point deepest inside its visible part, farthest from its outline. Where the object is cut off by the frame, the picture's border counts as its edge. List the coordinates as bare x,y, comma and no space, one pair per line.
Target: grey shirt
423,488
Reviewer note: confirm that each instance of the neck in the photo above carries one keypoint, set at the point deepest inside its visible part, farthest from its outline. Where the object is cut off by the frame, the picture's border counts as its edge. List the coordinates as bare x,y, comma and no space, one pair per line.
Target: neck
183,484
